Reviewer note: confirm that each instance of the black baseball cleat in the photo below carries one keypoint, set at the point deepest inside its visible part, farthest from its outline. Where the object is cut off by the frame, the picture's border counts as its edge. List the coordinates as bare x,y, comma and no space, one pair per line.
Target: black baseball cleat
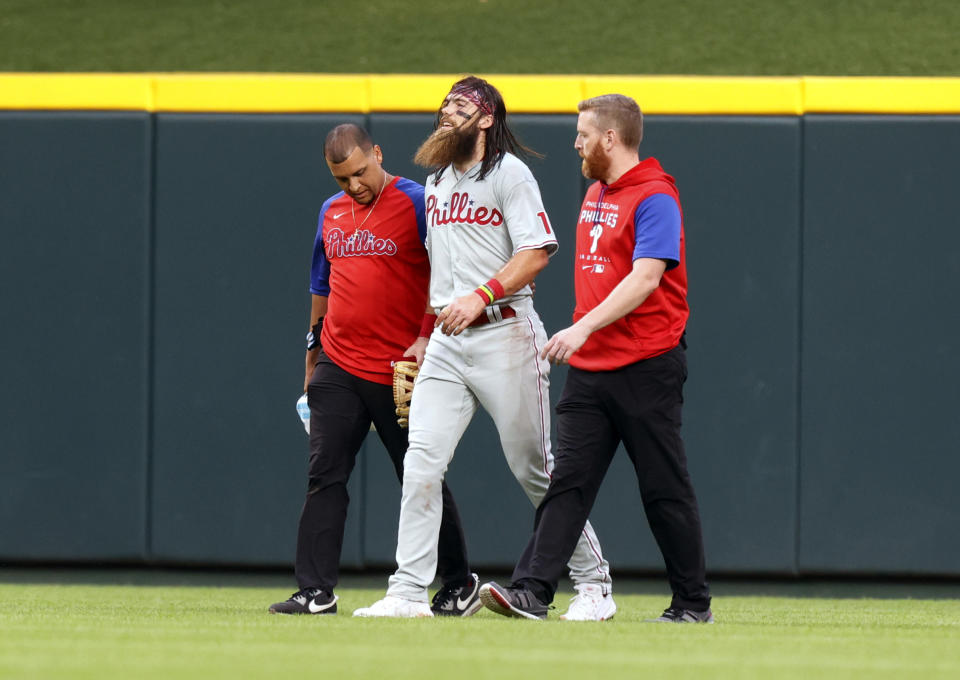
677,615
458,600
516,602
307,601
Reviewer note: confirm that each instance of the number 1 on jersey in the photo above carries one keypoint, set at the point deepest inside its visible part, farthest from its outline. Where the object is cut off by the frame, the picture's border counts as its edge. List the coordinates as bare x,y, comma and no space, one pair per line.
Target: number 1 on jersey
543,218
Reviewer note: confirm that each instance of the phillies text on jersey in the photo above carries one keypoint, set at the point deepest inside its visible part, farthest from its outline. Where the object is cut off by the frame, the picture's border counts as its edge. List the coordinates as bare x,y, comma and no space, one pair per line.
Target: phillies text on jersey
460,208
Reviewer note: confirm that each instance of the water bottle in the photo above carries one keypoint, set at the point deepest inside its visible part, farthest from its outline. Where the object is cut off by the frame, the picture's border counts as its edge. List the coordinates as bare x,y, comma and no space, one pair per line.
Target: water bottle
303,410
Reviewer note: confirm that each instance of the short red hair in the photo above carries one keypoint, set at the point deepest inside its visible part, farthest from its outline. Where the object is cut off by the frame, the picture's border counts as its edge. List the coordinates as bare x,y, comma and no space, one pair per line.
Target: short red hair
617,112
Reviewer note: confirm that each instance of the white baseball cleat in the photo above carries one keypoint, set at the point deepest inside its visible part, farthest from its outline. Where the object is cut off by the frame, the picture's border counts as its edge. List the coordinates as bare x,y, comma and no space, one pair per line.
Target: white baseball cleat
395,608
590,604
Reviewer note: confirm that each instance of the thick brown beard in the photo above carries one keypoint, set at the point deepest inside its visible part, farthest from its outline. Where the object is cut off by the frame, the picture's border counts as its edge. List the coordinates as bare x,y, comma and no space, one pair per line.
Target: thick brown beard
595,165
448,145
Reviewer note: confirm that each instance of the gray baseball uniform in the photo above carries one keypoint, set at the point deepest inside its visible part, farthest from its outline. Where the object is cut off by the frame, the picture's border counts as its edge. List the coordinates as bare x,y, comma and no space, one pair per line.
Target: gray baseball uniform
473,228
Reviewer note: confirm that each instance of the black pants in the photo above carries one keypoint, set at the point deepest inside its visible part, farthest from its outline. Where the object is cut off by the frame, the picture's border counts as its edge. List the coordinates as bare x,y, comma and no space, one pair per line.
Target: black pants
342,407
640,405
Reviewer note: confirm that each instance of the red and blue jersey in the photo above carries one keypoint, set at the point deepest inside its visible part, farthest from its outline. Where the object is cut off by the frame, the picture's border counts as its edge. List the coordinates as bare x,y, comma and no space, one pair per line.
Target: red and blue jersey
637,216
371,264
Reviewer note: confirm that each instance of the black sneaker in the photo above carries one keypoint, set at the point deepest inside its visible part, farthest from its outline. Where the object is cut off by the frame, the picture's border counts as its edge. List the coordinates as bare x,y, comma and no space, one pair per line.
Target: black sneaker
307,601
458,600
677,615
516,602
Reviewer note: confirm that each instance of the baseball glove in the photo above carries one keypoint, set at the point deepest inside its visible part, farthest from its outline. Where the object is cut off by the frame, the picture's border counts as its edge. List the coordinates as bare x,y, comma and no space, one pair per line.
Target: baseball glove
404,373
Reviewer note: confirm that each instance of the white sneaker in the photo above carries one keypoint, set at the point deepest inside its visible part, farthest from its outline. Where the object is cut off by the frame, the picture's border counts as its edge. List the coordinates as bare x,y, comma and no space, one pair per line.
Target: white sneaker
590,604
395,607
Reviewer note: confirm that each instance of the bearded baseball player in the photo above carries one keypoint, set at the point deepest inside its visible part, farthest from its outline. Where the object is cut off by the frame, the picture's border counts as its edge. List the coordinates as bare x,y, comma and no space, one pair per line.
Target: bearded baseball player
626,351
488,236
370,235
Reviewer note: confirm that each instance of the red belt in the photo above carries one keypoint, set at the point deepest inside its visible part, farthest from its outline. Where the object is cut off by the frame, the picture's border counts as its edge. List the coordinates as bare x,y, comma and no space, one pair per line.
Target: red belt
489,315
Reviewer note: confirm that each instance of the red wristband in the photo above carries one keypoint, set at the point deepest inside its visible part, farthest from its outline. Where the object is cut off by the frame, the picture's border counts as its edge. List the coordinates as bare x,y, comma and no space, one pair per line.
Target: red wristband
485,294
489,291
497,289
426,326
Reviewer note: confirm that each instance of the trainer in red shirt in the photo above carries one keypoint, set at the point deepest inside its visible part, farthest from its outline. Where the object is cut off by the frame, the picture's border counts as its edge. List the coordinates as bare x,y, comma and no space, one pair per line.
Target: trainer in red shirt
364,257
626,351
635,218
369,279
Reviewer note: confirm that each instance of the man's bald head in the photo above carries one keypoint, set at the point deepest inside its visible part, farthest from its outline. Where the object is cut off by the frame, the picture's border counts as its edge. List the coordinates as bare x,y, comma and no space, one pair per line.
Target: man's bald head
343,139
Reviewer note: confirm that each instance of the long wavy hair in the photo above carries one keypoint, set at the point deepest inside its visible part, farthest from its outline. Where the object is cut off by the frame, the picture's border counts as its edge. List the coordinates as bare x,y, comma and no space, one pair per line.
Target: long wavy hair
499,138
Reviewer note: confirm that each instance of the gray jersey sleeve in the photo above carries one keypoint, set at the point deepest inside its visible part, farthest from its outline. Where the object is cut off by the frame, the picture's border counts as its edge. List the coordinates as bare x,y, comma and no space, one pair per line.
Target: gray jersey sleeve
523,211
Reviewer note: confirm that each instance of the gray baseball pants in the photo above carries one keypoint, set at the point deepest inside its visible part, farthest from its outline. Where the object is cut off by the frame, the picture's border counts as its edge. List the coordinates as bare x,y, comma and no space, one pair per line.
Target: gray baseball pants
496,366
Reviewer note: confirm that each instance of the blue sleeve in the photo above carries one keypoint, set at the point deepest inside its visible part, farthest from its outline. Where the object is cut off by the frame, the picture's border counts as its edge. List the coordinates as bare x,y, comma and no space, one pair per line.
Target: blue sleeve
415,192
657,228
320,265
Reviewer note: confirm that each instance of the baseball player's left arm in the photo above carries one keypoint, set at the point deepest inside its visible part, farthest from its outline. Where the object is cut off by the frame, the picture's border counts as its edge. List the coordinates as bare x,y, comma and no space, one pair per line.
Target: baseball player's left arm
531,235
626,296
519,271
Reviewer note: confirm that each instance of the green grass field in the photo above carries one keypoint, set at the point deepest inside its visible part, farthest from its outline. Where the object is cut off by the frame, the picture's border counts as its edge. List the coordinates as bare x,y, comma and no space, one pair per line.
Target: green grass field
740,37
56,627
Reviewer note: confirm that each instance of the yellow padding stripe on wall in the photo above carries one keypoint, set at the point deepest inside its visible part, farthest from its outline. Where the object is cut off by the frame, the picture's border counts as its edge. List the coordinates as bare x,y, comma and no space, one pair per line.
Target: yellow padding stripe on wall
332,93
881,95
703,96
70,91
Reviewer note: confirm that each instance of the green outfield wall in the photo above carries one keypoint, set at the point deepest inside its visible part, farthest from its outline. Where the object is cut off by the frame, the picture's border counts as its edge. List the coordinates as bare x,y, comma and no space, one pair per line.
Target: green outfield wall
154,274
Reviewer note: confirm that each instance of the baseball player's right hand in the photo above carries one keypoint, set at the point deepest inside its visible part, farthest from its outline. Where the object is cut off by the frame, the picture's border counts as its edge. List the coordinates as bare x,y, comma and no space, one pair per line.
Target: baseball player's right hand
459,314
